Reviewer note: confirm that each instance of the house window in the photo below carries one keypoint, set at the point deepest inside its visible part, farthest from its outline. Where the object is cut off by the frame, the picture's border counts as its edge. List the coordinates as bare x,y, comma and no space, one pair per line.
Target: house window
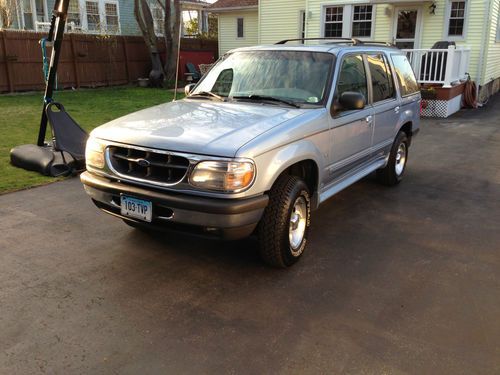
40,11
158,20
333,22
93,19
27,13
74,21
240,27
362,21
111,12
456,21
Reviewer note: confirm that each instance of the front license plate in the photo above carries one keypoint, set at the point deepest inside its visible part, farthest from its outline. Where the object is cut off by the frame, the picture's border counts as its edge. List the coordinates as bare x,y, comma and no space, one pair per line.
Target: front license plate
136,208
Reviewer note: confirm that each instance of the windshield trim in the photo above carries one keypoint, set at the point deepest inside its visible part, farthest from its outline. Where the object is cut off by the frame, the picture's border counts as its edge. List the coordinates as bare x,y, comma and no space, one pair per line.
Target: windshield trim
322,103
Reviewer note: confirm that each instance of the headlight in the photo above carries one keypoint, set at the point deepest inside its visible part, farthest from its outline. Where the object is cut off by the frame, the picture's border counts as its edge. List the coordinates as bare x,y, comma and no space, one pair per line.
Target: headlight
94,153
230,176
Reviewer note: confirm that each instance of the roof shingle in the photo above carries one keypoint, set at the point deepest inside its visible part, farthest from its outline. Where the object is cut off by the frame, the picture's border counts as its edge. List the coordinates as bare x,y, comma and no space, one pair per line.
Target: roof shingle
221,4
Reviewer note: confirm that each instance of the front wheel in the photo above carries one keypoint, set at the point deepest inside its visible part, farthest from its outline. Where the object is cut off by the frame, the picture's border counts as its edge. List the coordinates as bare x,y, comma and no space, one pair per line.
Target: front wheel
393,172
284,227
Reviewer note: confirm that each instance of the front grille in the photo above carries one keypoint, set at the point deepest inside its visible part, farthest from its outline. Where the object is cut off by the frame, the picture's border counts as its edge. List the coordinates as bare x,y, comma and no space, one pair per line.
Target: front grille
148,165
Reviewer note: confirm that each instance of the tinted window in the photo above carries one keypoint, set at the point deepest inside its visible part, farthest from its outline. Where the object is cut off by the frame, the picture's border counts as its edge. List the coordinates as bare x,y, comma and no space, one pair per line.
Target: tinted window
352,77
382,84
406,77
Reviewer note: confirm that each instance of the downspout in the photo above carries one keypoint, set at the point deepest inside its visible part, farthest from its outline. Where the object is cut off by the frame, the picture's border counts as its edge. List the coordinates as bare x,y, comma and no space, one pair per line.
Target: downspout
484,43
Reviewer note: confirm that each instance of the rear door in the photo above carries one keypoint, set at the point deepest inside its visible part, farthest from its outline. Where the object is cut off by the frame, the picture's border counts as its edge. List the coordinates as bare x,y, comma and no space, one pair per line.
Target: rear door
351,130
385,103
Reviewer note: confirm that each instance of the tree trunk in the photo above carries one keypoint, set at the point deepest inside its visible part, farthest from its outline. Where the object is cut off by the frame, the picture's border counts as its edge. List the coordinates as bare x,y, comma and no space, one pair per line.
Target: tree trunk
172,30
144,19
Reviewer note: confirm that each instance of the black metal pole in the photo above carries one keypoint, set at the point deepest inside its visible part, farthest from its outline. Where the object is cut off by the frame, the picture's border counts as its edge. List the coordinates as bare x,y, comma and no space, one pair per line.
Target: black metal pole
56,35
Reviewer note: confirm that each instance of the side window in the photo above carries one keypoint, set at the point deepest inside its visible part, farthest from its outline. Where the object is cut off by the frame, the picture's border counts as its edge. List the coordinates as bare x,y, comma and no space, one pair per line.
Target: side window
406,77
352,77
382,83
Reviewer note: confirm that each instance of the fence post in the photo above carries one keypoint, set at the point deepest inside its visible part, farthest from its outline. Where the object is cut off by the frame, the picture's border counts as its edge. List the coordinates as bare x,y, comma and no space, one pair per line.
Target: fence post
75,63
450,62
10,82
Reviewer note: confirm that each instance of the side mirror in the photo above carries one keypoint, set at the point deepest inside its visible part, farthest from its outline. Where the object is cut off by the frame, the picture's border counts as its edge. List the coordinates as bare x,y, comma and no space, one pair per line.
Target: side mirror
351,100
189,88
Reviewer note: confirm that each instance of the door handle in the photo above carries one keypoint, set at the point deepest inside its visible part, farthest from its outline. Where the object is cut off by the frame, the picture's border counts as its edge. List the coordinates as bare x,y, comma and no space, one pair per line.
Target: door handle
396,109
369,120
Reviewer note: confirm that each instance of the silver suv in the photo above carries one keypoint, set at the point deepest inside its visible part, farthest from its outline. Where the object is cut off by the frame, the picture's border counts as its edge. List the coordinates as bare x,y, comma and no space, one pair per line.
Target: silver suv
266,136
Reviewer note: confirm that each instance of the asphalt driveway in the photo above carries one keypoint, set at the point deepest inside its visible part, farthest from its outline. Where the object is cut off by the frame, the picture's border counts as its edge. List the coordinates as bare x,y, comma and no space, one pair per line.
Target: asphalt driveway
396,280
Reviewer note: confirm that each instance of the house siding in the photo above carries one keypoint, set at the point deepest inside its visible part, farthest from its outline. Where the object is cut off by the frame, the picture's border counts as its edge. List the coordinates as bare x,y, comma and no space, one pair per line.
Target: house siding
228,30
128,25
432,30
279,19
492,55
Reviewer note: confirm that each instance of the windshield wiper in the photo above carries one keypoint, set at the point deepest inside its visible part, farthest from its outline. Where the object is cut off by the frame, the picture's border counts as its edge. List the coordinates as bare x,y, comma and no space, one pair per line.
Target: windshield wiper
207,94
265,97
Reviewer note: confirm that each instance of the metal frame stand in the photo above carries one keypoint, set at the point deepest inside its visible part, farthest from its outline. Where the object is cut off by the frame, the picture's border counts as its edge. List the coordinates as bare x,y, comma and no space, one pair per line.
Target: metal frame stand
55,38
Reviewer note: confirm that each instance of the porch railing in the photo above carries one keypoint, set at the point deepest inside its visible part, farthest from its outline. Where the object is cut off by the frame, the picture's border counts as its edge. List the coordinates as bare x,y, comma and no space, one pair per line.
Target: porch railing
441,66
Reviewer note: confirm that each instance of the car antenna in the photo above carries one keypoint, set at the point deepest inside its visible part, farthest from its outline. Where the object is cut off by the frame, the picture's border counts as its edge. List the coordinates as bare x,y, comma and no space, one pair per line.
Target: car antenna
178,60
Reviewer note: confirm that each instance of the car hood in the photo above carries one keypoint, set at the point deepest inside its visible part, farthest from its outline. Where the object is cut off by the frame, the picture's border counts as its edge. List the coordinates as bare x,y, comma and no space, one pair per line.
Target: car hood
196,126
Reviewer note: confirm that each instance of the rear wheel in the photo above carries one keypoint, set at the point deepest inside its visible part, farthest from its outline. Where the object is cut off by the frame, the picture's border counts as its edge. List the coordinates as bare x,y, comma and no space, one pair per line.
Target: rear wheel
284,227
393,172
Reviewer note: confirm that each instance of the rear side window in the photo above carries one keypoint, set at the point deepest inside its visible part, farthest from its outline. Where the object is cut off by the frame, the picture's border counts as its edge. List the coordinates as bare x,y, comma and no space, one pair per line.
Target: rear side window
352,77
406,77
382,83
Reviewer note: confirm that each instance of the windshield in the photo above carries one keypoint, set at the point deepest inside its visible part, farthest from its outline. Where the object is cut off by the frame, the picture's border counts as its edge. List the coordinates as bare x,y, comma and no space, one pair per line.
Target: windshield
298,76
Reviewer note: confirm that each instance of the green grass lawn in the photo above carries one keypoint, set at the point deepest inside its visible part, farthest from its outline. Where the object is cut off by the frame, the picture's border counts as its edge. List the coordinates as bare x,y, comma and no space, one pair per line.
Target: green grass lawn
20,119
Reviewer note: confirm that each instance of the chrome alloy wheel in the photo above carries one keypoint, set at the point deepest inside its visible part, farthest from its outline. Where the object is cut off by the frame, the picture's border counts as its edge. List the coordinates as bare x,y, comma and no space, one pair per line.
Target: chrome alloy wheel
297,228
400,159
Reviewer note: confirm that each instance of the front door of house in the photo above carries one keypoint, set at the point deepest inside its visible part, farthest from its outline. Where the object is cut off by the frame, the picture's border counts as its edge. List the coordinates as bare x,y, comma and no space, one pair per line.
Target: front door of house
406,27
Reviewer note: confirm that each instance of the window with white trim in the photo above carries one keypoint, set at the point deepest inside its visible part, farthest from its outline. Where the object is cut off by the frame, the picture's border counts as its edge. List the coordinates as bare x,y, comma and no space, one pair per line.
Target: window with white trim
27,14
158,19
40,11
333,21
112,21
74,20
362,17
93,18
348,21
456,20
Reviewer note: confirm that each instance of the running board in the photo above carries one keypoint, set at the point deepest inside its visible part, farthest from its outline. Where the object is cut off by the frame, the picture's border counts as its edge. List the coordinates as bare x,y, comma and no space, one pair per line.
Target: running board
338,186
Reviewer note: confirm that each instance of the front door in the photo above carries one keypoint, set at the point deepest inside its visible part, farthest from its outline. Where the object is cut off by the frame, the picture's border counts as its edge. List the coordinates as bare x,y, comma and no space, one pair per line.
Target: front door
406,27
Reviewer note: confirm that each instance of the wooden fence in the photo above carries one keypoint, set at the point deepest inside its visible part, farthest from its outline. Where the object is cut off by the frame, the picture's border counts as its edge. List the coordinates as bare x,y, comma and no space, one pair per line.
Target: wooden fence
86,60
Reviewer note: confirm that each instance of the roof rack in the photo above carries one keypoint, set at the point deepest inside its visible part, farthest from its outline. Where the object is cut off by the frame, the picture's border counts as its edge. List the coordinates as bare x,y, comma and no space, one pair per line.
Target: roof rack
339,40
353,41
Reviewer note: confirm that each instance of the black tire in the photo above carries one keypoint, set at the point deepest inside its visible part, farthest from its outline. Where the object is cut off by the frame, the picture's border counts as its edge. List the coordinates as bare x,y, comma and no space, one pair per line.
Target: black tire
273,230
388,175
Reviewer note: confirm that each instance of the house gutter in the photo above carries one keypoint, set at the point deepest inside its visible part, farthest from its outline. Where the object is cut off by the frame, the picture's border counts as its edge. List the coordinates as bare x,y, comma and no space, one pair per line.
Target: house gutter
484,42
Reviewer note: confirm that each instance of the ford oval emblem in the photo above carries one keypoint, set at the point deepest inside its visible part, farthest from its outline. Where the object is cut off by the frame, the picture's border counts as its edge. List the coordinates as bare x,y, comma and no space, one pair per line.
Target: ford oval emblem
143,163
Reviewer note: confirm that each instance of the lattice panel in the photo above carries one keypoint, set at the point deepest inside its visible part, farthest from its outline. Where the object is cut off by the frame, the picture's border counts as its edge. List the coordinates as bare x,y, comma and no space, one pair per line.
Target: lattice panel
440,108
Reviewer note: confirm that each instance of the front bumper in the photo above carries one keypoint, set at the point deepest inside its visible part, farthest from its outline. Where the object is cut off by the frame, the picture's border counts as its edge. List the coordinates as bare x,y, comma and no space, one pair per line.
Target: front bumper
223,218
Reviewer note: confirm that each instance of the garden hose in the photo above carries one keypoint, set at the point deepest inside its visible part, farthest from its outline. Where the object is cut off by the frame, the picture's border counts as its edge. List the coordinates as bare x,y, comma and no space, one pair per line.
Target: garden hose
470,99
